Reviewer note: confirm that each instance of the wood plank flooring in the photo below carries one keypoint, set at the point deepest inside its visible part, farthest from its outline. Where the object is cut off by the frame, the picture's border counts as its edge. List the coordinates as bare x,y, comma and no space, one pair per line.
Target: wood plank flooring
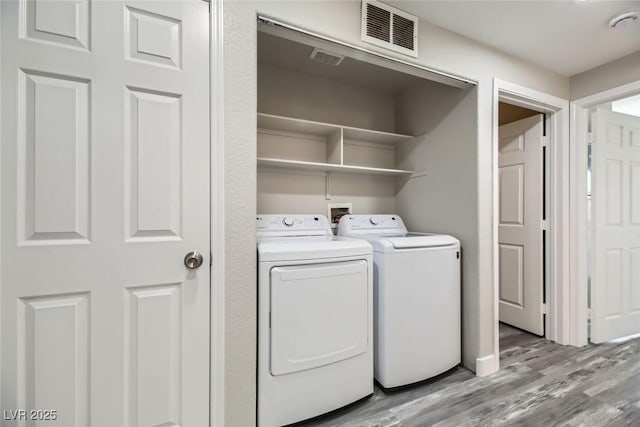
540,384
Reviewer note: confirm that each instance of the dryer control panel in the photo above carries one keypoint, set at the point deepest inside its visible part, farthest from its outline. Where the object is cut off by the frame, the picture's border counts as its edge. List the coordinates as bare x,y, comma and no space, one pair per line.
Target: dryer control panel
292,225
391,225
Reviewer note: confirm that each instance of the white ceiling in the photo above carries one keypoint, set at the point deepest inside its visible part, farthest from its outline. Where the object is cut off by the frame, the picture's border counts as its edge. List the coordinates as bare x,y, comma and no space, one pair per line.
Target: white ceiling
566,36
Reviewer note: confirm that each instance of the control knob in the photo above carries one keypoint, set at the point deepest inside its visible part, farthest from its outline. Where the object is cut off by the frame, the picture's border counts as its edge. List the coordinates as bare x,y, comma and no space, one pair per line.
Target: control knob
373,220
287,221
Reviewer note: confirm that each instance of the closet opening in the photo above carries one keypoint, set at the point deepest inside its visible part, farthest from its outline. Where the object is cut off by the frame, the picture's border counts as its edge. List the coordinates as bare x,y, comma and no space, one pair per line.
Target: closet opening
340,127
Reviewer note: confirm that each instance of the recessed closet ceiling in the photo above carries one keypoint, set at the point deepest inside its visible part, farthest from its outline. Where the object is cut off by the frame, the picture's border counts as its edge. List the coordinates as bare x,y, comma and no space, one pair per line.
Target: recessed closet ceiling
292,55
567,36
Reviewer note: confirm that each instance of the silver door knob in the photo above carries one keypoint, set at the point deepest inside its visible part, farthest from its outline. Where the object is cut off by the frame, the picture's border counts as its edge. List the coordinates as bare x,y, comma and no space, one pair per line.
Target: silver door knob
193,260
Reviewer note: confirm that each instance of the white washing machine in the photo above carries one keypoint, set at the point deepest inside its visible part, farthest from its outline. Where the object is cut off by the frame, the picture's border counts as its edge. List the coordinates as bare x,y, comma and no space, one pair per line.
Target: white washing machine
315,314
416,298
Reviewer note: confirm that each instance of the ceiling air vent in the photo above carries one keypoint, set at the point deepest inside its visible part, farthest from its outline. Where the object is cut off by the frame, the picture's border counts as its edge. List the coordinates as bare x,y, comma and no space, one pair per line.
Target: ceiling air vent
326,57
389,27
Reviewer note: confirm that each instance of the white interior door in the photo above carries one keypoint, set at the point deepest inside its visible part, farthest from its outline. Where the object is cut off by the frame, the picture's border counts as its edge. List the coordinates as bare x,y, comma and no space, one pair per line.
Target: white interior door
105,187
520,224
615,280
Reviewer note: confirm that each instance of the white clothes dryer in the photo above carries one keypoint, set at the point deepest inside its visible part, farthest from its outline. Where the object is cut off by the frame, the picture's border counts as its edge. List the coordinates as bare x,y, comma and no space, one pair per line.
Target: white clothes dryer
315,314
417,331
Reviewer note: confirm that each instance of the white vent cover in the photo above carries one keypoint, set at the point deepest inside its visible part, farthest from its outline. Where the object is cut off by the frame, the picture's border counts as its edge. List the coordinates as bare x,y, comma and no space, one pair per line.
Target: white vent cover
389,27
326,57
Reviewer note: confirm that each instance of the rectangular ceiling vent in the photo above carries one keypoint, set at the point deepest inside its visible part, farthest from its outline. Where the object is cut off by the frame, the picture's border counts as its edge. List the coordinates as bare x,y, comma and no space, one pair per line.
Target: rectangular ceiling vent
389,27
326,57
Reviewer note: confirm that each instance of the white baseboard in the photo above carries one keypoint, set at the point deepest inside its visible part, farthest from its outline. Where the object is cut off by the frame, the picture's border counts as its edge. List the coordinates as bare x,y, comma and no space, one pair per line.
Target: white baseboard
486,365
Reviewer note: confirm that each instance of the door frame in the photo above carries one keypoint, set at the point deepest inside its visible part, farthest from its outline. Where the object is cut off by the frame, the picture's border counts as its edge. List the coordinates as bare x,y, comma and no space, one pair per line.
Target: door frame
217,243
579,232
1,203
558,305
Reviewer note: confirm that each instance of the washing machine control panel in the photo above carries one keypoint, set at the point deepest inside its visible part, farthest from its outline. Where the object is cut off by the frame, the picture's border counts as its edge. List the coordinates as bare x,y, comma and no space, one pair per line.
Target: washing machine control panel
293,224
377,224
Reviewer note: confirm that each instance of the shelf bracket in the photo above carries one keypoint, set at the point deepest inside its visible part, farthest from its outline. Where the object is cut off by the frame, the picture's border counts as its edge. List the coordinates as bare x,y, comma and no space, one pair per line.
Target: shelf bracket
327,185
419,174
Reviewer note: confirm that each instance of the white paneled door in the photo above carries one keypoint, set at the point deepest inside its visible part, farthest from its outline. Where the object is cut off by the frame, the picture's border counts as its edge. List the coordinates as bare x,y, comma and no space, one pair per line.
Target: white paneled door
615,279
105,188
520,224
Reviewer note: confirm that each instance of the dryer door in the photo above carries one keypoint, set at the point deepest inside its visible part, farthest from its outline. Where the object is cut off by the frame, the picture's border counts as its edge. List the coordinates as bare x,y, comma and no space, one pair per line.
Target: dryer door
319,314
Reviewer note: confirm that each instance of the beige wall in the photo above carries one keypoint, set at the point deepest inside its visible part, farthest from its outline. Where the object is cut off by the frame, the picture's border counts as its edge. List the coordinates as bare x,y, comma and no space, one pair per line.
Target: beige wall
304,193
439,49
508,113
617,73
445,199
294,94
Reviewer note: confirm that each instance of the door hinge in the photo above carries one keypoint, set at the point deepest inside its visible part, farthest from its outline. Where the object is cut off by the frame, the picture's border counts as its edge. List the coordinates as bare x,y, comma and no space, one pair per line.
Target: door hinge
544,308
543,224
210,259
545,141
588,314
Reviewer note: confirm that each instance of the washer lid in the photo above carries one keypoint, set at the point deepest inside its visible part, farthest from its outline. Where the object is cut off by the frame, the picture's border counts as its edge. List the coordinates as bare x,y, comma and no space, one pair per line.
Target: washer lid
371,225
414,240
394,244
309,248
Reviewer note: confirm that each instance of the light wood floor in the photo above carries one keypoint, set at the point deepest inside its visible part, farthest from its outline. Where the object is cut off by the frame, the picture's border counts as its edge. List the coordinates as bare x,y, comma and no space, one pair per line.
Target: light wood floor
540,383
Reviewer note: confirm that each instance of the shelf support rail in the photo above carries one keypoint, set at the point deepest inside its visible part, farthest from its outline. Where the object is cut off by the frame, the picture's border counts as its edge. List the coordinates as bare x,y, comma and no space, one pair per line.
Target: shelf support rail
327,185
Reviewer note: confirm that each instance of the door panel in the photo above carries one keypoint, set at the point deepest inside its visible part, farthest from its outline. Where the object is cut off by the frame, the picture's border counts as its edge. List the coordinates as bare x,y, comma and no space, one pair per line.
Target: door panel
512,274
519,231
153,165
615,284
152,354
634,302
105,188
634,177
53,369
63,23
512,194
53,159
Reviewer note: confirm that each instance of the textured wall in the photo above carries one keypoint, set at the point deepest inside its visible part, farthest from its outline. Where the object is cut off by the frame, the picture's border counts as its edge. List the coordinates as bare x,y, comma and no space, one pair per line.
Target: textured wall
617,73
240,208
